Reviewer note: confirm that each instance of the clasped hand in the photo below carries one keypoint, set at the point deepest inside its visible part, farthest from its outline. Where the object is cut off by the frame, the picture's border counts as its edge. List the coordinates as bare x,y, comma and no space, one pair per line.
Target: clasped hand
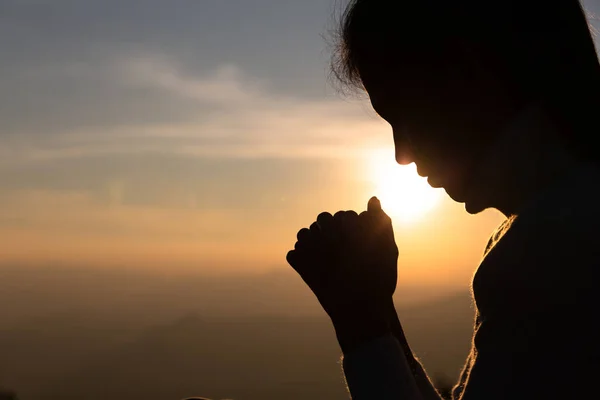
349,261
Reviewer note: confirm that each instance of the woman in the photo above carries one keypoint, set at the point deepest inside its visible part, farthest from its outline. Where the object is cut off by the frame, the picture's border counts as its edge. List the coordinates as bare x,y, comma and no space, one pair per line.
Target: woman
496,103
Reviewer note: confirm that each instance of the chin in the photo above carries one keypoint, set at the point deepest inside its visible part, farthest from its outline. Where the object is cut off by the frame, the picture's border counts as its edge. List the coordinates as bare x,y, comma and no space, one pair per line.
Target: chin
472,205
455,193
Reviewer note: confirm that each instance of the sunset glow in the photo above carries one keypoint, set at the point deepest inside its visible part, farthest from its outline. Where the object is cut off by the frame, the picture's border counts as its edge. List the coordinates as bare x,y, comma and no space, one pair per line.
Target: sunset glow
404,195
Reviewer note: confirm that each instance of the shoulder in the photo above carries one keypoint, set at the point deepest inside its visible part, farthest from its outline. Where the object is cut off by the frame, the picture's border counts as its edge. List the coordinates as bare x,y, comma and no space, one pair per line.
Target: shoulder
549,253
564,222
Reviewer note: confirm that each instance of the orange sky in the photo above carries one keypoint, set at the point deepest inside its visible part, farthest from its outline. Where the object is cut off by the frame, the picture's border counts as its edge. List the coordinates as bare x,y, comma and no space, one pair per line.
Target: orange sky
442,246
170,138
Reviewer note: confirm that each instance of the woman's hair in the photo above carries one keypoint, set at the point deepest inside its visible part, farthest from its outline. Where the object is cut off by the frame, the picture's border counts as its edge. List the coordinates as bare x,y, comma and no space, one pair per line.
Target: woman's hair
544,48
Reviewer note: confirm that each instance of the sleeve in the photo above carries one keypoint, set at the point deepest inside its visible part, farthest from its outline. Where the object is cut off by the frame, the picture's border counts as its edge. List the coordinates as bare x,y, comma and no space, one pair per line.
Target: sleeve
379,370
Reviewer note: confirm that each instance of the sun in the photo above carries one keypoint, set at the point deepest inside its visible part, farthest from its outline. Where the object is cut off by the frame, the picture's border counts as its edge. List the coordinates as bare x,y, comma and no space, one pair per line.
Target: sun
403,193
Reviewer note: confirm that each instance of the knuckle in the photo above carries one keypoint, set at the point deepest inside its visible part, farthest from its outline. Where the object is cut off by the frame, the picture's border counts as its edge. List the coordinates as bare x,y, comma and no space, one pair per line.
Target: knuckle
324,215
302,233
290,257
339,214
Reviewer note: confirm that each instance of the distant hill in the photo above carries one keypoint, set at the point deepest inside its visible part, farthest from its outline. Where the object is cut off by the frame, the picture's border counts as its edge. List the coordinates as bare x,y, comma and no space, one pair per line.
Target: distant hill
30,293
87,353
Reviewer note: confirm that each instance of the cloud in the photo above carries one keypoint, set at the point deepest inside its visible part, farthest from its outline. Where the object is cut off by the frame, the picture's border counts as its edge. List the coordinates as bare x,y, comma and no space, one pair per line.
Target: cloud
207,79
224,86
57,73
227,114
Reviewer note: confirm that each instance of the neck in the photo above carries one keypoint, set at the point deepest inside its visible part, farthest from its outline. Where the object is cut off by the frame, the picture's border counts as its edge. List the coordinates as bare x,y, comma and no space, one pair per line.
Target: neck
525,160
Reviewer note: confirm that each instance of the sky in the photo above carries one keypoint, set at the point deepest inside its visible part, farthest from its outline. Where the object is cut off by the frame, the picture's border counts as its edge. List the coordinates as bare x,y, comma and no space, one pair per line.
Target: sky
194,135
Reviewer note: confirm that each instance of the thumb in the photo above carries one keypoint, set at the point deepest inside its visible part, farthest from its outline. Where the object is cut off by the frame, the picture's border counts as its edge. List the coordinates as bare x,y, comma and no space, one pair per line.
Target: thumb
374,206
382,221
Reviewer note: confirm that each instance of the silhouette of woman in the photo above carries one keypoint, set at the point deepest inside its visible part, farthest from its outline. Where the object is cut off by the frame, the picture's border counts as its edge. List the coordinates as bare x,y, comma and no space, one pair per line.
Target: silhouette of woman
496,103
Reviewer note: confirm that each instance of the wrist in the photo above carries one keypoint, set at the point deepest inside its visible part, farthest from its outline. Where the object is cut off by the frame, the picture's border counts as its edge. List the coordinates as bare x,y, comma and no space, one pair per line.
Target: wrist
355,326
398,332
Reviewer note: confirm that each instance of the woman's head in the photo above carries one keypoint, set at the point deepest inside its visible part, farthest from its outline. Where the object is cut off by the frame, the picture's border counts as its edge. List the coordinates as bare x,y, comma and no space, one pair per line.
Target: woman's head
449,76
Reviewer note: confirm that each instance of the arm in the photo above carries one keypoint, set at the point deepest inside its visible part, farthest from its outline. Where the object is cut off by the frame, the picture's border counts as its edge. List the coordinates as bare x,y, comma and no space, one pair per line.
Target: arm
379,370
426,388
378,362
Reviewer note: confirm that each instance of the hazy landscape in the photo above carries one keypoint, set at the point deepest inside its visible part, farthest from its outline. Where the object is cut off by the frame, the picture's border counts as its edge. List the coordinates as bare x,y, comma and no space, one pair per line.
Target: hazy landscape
93,334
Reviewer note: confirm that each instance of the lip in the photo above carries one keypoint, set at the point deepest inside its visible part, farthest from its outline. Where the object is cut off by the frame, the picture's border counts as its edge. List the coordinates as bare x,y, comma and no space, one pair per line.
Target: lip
434,183
421,173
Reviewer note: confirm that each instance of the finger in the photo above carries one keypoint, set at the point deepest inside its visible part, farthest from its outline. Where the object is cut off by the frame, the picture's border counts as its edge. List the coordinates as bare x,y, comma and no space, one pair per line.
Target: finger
326,224
315,229
351,214
292,258
377,222
325,220
303,235
316,236
305,240
351,227
297,261
336,232
365,219
345,223
373,217
374,205
303,246
345,229
349,220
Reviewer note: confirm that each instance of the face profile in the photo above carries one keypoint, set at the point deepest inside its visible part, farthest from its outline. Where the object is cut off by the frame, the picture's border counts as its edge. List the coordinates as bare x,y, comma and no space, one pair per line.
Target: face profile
442,128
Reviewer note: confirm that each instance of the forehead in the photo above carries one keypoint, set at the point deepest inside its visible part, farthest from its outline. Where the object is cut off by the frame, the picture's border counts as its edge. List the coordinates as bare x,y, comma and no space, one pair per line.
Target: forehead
405,82
377,97
391,94
380,89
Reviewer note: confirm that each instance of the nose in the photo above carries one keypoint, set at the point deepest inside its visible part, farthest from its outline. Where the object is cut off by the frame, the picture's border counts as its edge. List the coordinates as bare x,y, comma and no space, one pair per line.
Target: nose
404,150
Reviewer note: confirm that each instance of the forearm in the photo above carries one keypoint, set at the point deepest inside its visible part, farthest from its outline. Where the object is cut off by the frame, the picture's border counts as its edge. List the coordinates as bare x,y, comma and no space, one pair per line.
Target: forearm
426,387
377,358
379,370
360,324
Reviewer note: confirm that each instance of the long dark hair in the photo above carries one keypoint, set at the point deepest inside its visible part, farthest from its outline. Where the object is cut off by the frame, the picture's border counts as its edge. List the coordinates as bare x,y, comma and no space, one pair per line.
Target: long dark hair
545,48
